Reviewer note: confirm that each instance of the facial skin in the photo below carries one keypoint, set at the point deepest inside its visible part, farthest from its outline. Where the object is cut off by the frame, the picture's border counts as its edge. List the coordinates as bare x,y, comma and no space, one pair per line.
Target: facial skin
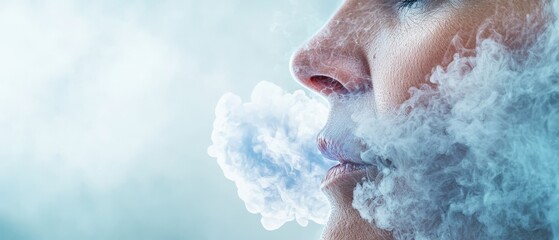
379,49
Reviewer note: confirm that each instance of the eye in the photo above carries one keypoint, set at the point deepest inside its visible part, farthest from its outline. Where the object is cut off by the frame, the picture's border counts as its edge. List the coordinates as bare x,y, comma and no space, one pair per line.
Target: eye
402,4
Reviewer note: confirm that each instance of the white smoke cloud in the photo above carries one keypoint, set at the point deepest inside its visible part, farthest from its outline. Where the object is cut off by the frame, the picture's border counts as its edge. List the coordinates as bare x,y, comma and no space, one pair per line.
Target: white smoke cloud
477,157
266,146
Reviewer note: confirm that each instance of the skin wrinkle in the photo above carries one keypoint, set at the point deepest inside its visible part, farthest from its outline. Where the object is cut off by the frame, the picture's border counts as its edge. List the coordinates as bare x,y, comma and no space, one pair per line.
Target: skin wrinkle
370,43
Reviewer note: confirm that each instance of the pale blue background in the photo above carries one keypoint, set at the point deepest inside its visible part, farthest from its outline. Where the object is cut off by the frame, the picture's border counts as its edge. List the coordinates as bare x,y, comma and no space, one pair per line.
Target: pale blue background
106,110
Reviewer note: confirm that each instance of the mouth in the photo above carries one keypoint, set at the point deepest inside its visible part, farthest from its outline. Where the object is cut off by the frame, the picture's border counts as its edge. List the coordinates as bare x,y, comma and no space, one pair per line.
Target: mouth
350,168
344,171
346,151
343,146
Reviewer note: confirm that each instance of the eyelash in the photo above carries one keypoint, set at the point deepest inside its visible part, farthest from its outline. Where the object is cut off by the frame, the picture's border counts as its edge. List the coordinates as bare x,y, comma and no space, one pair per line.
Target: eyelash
407,4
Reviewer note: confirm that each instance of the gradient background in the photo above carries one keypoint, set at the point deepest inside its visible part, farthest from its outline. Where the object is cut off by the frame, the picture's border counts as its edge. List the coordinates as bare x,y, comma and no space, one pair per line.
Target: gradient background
106,110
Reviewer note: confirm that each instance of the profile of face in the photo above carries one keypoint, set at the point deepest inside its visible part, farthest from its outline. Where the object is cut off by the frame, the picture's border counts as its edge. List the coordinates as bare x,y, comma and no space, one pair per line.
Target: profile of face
378,50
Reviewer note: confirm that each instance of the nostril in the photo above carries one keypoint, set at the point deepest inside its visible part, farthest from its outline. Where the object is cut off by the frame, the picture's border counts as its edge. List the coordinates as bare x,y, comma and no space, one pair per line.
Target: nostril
327,85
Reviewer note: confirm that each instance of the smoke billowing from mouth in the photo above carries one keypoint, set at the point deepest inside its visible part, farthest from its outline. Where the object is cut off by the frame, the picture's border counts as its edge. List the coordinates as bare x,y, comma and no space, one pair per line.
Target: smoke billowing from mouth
477,157
267,147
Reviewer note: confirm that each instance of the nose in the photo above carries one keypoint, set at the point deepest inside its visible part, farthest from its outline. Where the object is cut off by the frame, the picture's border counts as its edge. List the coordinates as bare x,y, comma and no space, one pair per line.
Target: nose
334,61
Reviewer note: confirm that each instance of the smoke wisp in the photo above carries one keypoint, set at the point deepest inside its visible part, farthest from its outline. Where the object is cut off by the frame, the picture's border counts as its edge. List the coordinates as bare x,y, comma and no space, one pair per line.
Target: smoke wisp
266,146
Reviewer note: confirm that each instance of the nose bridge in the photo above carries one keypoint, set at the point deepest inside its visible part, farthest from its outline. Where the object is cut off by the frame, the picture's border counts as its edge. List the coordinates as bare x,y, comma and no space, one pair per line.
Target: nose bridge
337,52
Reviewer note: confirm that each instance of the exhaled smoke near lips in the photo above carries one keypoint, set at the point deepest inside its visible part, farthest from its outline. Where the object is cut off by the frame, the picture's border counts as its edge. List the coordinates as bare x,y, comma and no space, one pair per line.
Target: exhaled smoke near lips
267,147
477,157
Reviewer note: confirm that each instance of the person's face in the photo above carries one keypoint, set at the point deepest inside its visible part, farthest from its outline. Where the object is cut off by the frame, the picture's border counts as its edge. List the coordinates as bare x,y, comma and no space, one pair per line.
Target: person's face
379,49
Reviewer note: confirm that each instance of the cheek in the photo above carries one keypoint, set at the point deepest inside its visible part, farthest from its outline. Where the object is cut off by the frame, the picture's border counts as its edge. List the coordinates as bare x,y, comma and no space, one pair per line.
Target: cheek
404,56
406,62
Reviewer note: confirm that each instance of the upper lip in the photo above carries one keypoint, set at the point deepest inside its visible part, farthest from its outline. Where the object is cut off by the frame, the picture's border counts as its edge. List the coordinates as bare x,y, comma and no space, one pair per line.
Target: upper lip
346,151
339,150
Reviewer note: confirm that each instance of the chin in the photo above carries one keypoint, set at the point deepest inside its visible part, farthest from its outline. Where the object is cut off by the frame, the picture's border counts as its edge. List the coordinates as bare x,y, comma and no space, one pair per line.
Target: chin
344,222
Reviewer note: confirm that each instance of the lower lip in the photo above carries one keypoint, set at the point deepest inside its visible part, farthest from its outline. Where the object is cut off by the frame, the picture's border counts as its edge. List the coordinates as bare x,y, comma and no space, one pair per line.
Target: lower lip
342,171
